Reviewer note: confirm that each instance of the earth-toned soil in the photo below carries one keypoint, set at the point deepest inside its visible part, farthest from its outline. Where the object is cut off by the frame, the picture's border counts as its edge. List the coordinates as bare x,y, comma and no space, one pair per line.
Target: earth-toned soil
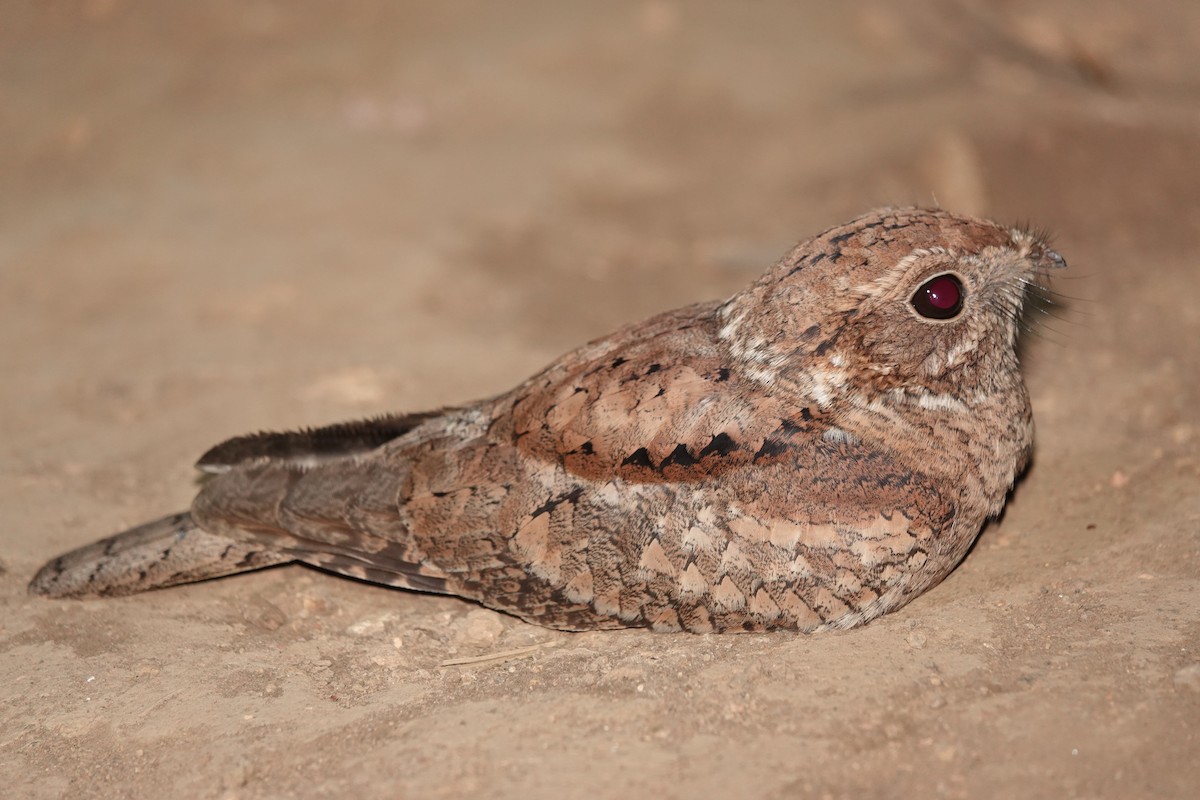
220,217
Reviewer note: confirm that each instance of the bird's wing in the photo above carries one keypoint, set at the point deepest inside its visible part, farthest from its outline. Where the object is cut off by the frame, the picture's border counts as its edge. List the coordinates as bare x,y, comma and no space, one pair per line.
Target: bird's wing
429,496
652,403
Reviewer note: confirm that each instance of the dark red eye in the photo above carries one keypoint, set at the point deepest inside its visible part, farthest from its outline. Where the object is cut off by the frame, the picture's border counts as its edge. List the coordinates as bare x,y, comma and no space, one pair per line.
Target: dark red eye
939,298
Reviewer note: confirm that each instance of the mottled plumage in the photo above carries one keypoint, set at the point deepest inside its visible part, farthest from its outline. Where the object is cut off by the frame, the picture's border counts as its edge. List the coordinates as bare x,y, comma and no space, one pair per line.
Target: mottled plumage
816,450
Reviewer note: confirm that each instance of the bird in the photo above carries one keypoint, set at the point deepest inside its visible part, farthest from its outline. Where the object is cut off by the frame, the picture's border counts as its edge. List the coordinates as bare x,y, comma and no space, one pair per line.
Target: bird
810,453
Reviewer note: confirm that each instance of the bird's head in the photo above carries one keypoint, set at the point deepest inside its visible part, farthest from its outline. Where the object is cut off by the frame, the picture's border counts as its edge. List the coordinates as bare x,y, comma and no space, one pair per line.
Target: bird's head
898,300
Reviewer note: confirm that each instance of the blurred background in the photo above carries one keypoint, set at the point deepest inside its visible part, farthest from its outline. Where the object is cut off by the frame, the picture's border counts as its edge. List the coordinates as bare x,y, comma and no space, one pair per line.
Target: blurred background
225,216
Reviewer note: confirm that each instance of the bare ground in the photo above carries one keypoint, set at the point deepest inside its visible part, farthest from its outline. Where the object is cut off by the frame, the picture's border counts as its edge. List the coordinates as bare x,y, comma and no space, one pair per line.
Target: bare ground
228,216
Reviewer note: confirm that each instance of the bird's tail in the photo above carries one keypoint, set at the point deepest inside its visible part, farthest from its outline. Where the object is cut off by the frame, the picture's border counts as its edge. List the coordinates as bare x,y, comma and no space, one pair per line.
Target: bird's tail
165,552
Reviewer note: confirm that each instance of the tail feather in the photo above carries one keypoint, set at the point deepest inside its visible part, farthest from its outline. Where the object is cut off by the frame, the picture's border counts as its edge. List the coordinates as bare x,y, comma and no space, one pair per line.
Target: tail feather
165,552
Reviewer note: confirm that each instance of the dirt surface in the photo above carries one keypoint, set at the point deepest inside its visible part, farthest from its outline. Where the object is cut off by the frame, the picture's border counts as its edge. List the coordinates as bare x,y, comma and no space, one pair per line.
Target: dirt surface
221,217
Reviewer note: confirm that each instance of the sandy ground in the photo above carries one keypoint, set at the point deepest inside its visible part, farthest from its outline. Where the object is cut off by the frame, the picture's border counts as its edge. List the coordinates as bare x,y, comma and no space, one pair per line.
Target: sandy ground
220,217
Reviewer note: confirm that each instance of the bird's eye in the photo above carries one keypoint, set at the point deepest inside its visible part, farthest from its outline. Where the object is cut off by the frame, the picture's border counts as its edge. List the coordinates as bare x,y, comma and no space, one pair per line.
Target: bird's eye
940,297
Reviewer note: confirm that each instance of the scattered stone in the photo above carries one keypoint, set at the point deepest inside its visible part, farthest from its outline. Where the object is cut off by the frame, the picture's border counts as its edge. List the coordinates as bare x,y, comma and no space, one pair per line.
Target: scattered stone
479,627
1188,677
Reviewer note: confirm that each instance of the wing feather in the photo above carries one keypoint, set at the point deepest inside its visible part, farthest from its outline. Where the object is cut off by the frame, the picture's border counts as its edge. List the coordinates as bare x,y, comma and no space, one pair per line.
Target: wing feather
310,446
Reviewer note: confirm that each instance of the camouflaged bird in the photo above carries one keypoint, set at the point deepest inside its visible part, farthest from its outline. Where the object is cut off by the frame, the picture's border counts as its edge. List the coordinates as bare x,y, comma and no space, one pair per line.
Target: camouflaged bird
815,451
